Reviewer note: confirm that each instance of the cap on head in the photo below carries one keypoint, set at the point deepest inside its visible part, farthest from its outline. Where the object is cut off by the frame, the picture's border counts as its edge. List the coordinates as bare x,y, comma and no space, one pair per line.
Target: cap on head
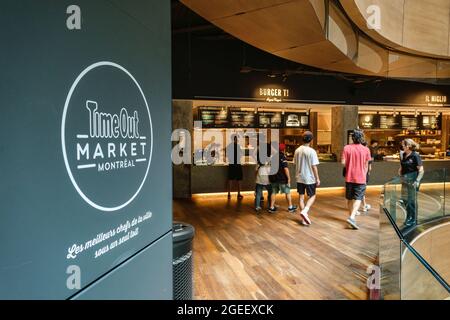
282,147
307,136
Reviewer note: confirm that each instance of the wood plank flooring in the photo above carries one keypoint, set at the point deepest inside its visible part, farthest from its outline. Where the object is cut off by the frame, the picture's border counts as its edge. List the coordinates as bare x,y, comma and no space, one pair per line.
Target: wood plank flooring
240,255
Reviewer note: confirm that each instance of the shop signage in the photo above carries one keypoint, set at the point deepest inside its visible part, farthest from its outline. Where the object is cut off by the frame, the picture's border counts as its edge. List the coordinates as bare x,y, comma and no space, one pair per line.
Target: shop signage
273,94
105,141
437,101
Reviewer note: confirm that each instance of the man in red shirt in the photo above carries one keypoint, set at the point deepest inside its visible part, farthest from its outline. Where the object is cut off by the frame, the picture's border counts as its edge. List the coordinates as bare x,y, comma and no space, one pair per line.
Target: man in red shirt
355,159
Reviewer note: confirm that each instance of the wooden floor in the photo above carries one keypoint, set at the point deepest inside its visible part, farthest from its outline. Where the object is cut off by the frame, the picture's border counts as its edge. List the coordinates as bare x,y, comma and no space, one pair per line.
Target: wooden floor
239,255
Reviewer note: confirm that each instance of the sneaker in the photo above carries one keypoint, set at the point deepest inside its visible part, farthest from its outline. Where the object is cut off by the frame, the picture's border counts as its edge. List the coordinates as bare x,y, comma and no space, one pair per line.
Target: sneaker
305,217
292,209
367,207
352,224
240,196
305,224
257,209
273,210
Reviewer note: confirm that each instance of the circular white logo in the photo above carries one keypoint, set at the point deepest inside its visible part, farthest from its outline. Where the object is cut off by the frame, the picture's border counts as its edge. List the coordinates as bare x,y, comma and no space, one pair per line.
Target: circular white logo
107,136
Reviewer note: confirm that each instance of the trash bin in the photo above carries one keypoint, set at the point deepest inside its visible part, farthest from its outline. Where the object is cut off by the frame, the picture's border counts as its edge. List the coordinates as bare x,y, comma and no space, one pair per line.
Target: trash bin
183,235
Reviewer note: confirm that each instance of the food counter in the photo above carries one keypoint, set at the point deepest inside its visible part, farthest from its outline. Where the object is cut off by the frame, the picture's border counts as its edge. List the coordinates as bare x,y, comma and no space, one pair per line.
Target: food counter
210,179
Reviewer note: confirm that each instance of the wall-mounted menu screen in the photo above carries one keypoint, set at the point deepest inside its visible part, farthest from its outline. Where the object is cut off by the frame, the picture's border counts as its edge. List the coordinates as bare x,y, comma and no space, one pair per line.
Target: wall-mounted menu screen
410,122
242,119
430,122
270,119
213,117
369,121
390,122
296,120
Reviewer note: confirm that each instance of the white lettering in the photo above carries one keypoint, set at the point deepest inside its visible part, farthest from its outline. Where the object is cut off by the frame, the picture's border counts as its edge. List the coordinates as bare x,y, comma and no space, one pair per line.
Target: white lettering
82,151
98,152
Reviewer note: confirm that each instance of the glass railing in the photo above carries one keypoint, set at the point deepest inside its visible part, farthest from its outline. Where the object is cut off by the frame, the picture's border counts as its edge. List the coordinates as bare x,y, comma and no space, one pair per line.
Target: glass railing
414,226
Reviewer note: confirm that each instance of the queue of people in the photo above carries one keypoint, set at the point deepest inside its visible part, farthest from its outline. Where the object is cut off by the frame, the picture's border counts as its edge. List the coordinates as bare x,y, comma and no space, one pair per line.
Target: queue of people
357,159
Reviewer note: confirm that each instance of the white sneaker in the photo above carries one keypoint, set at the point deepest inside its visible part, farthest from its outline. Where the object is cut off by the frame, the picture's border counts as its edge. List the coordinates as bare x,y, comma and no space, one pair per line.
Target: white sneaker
304,215
367,207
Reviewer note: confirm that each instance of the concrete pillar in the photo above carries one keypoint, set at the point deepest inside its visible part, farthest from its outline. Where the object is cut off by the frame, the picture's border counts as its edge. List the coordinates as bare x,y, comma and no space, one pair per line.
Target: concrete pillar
342,119
182,118
313,127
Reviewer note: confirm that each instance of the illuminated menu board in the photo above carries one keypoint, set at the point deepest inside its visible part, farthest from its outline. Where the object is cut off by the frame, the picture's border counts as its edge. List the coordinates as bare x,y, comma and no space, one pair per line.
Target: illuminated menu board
270,119
389,122
368,121
430,122
213,117
409,122
242,119
296,120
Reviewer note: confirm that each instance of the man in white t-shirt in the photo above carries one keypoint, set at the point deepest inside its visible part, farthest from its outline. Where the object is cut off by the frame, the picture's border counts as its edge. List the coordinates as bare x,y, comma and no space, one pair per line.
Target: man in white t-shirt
307,174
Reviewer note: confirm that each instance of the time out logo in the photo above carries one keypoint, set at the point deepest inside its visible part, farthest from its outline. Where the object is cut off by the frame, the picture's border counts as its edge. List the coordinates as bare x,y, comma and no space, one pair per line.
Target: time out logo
106,136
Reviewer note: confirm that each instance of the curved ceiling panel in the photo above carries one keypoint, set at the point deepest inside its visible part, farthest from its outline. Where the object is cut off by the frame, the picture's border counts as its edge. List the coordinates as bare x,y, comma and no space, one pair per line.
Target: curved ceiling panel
312,33
415,26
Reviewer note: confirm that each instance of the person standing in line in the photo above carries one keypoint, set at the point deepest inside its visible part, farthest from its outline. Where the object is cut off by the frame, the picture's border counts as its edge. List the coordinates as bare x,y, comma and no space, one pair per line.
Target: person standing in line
355,159
262,182
281,182
234,154
373,148
411,170
307,175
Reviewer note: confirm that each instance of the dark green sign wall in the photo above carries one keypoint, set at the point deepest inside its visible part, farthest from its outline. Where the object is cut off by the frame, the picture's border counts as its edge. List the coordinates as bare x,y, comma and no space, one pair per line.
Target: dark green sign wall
85,169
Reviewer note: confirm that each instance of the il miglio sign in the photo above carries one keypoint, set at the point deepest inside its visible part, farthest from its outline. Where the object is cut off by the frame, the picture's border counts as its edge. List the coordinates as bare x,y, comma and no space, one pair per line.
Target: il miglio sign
435,101
272,94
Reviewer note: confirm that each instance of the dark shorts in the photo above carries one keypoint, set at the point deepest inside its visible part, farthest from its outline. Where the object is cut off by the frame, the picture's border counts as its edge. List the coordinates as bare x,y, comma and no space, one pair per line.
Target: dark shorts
281,188
235,172
309,188
354,191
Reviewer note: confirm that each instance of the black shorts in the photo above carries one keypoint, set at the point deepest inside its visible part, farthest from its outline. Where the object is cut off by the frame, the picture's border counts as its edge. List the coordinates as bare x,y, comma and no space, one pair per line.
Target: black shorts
354,191
310,189
235,172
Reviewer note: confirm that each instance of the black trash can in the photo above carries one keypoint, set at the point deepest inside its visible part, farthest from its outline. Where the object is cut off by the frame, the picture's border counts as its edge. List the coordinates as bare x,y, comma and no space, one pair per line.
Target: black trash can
183,272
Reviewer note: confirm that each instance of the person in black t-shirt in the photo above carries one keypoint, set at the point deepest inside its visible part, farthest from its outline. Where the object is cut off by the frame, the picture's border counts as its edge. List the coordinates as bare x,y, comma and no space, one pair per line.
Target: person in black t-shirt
234,154
281,182
411,171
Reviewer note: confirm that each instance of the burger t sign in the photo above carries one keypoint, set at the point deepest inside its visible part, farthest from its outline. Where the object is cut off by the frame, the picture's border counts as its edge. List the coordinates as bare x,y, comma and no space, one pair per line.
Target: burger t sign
106,136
